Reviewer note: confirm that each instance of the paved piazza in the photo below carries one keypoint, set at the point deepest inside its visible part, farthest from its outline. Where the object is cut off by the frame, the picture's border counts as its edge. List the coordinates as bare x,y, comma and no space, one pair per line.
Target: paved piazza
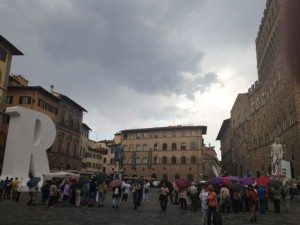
12,213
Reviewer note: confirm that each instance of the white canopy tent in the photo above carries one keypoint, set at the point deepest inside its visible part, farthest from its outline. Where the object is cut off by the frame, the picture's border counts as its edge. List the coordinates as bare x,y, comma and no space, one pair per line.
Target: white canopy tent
61,174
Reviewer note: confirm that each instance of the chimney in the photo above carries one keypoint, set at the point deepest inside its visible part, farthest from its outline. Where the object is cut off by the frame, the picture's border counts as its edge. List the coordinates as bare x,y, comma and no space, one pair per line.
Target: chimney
51,88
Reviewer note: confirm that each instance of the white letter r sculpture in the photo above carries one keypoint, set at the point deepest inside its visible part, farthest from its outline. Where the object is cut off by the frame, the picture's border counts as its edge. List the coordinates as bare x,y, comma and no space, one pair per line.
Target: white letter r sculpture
30,134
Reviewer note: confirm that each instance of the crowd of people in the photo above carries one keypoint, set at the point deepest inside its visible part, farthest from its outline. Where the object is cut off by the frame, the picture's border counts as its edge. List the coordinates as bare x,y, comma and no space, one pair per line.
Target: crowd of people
210,199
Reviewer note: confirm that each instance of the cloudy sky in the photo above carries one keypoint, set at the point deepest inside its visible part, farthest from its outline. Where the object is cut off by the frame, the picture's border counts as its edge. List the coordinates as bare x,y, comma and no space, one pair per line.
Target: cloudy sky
138,63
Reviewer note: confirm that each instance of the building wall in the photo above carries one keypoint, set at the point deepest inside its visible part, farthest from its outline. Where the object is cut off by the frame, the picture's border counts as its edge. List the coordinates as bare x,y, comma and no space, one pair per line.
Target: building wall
272,102
91,162
65,152
145,154
4,73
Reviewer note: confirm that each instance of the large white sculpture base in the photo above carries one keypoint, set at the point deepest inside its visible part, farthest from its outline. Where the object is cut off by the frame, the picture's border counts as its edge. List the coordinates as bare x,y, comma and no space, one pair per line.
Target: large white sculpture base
30,134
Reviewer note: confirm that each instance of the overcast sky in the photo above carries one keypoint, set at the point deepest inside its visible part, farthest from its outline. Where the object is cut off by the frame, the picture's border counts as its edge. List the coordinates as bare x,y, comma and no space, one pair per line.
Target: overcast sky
138,63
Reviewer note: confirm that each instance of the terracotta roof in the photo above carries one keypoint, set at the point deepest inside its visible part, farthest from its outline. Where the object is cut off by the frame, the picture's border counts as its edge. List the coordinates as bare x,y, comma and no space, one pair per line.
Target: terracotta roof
37,88
179,127
67,99
9,45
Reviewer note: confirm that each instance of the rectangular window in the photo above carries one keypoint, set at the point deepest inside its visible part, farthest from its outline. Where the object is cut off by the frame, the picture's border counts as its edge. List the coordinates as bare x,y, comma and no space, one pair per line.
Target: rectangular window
2,55
25,100
145,135
9,99
194,133
139,135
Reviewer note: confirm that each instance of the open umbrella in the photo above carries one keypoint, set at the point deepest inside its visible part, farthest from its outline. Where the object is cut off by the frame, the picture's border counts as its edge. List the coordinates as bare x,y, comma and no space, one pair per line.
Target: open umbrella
262,181
235,187
215,181
226,180
182,184
33,182
246,181
234,178
115,183
275,183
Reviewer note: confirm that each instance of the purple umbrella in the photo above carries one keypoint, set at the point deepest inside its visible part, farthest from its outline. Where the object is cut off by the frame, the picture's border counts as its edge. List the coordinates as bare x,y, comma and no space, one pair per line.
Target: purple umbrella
234,178
246,181
215,181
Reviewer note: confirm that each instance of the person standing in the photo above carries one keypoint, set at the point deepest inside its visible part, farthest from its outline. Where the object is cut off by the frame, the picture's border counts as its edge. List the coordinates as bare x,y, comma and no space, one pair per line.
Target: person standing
14,186
203,196
183,199
276,199
116,195
53,192
253,200
1,188
66,193
285,193
102,189
146,191
212,199
176,193
236,199
163,197
262,195
126,188
225,199
19,190
135,189
7,188
193,193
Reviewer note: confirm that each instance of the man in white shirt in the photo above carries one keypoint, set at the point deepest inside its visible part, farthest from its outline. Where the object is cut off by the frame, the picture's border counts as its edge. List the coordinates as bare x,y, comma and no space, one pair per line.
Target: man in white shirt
125,189
203,198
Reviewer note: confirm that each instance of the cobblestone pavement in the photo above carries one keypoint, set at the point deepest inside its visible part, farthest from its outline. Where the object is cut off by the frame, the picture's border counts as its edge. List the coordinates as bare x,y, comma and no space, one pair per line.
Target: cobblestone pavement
12,213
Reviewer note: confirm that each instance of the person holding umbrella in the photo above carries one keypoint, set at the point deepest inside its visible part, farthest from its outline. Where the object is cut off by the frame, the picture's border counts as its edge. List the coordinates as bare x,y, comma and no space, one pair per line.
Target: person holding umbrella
32,186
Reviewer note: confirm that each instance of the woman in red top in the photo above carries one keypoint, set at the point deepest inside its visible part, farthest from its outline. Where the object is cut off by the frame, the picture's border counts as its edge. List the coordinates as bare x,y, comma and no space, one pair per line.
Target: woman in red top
212,202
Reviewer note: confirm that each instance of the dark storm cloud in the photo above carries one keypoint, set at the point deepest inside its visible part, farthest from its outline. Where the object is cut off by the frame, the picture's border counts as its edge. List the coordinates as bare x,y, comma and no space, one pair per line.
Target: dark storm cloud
125,60
132,43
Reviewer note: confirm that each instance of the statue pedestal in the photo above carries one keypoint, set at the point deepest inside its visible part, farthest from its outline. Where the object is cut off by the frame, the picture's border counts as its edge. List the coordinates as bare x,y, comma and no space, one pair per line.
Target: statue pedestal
285,169
119,174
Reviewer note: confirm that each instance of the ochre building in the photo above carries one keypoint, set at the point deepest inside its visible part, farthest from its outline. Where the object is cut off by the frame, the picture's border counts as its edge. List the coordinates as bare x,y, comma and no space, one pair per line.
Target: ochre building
174,151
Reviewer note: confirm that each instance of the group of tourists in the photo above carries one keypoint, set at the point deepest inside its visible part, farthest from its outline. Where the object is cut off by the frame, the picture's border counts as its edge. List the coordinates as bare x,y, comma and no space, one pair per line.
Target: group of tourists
11,188
212,199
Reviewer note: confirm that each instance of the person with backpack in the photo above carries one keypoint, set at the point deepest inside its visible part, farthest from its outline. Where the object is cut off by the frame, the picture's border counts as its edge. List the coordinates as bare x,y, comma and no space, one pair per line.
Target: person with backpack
125,190
116,195
163,197
253,200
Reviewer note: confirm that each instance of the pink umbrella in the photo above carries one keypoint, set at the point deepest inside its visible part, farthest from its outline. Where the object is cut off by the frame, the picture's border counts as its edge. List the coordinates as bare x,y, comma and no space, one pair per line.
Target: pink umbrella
115,183
182,184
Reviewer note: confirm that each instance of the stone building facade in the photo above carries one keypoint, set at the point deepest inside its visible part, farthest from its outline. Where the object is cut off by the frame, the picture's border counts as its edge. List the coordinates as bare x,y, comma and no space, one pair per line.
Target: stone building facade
7,50
65,113
270,108
174,151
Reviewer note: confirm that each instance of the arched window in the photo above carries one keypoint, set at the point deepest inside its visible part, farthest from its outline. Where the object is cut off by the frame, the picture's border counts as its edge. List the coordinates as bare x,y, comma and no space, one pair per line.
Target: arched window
165,146
193,160
174,146
145,147
155,160
183,146
173,160
145,160
68,148
164,160
138,147
183,160
155,147
193,146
